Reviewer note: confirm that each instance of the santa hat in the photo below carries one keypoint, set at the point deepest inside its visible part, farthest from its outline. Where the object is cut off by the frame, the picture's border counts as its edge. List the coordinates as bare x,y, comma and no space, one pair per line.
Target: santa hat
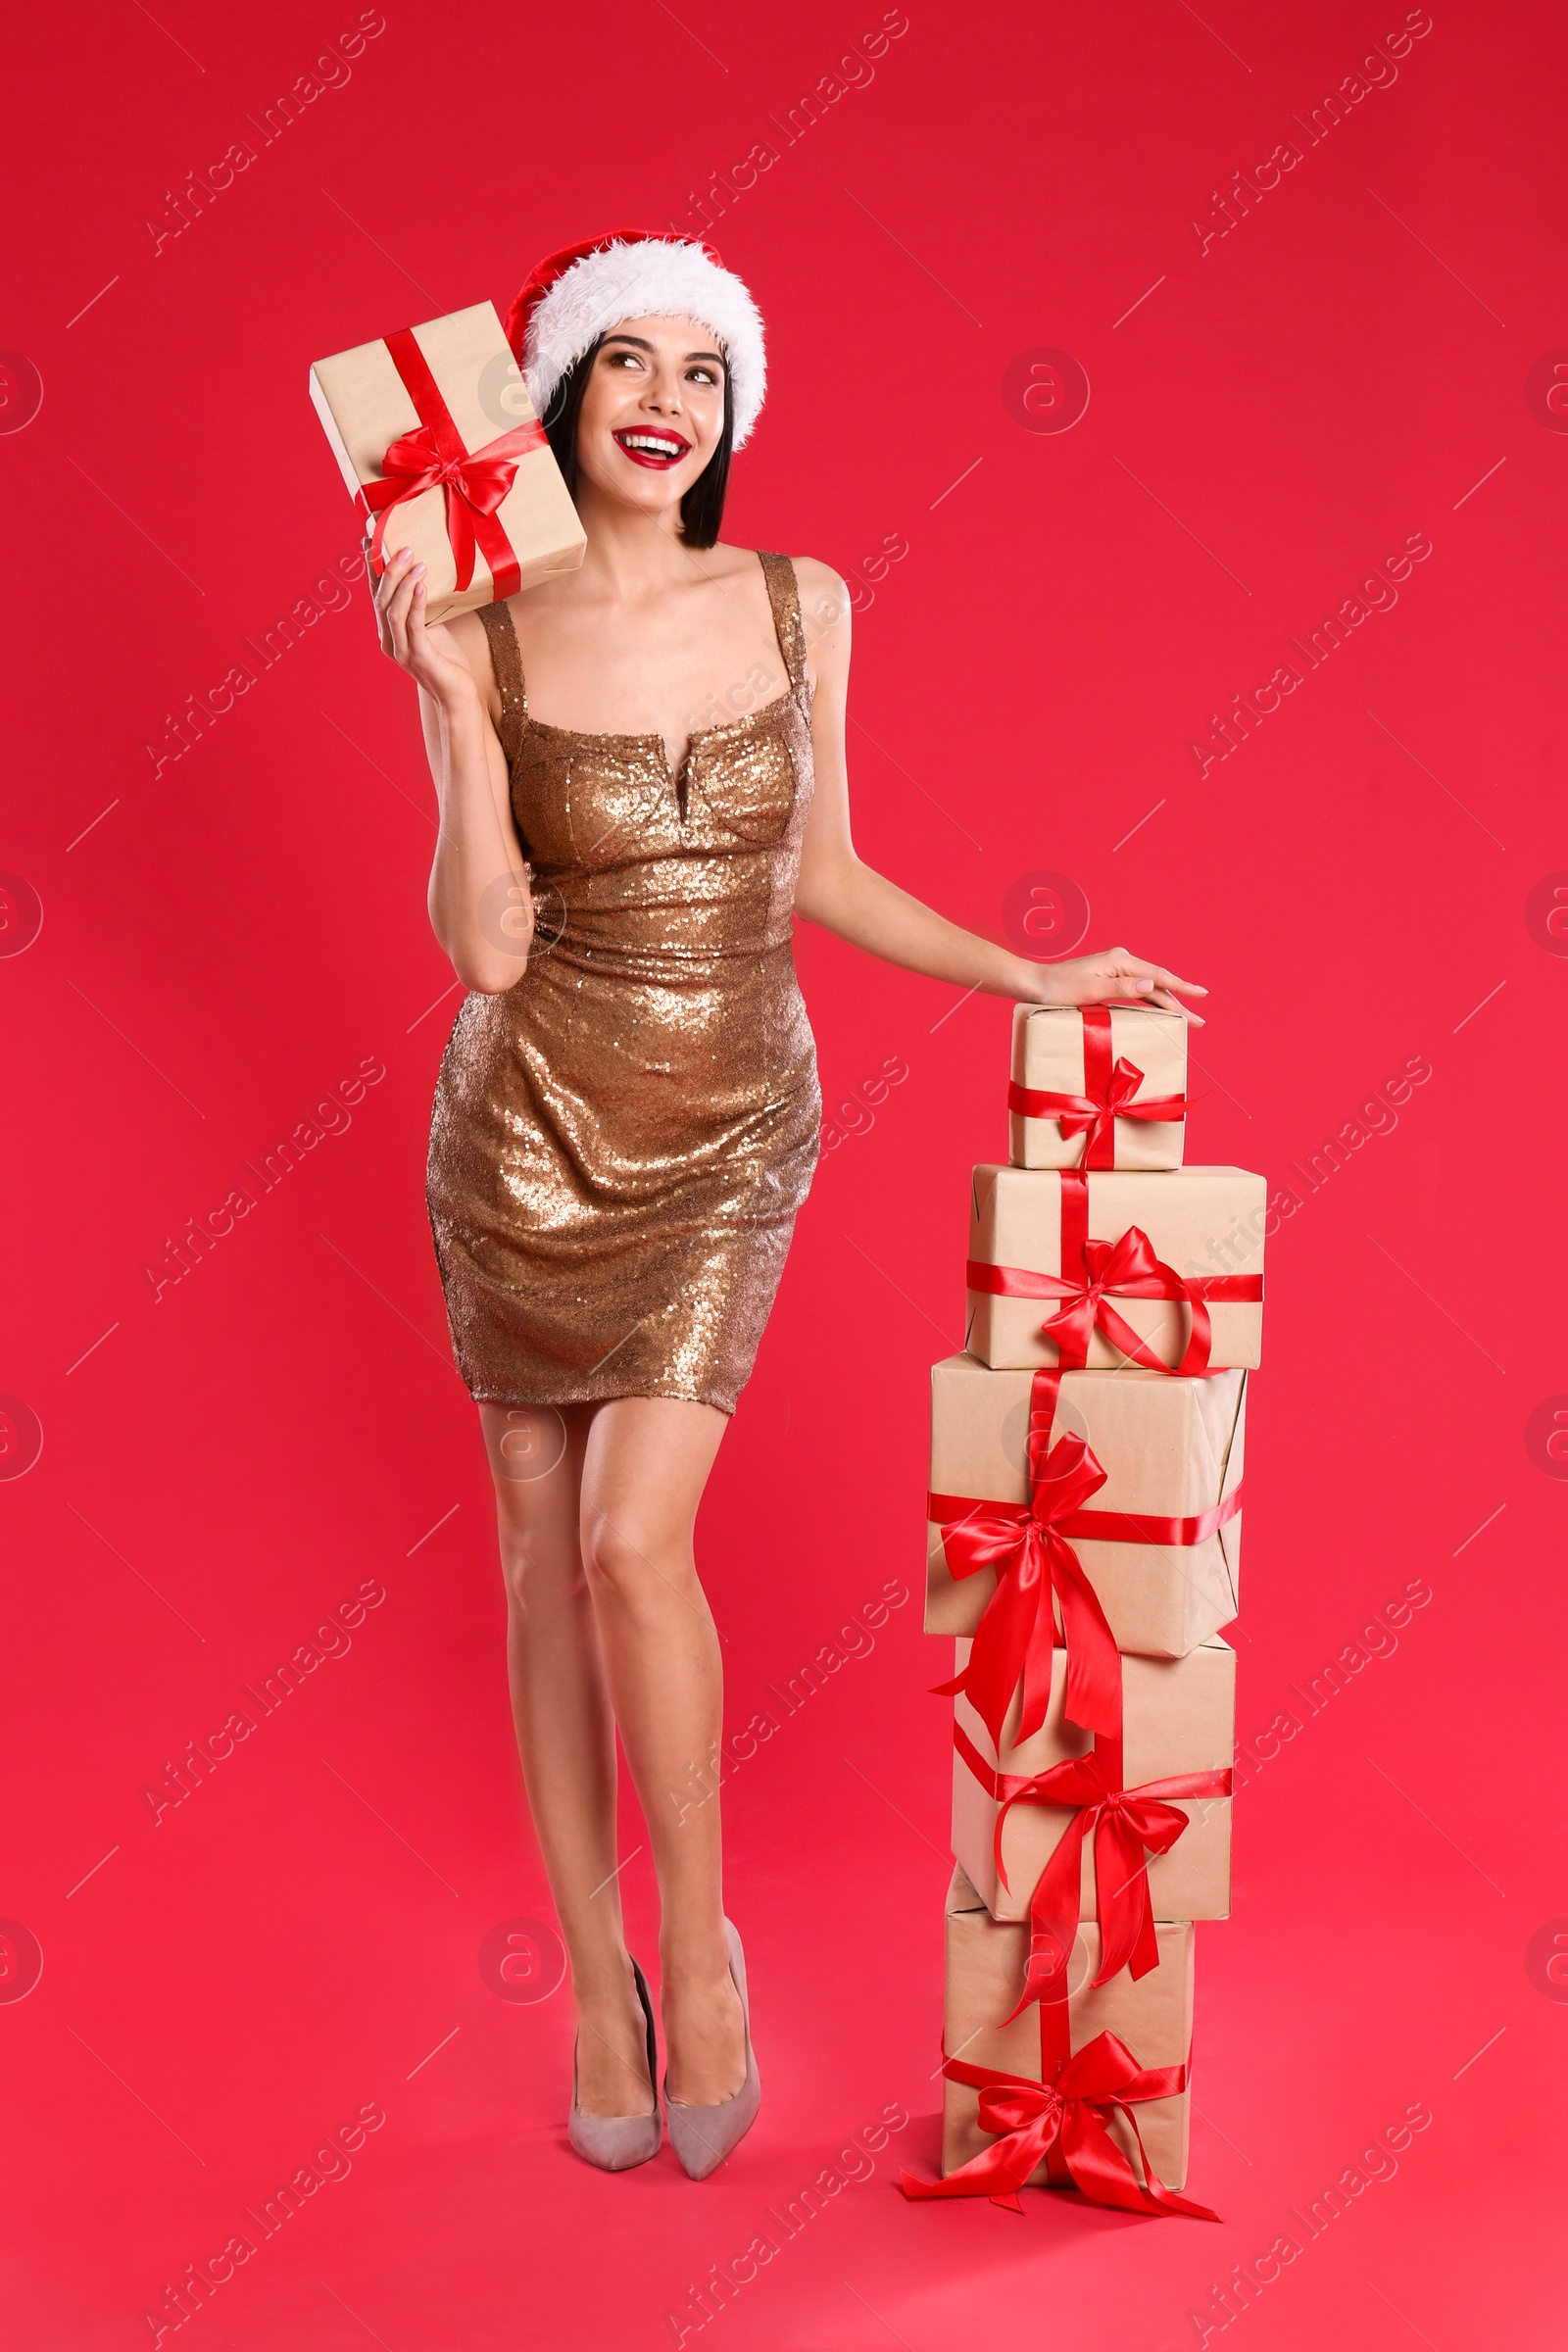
575,296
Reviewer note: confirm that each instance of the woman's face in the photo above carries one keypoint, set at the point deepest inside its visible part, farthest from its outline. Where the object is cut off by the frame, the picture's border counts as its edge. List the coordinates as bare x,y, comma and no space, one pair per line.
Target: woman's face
653,411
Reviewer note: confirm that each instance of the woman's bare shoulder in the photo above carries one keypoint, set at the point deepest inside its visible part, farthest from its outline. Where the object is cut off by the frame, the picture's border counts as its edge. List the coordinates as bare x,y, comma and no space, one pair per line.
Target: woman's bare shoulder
822,590
815,578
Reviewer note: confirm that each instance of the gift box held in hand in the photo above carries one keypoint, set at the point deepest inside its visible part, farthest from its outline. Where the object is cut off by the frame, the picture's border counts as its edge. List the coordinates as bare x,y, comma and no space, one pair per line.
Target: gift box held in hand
438,442
1086,1269
1097,1086
1050,1804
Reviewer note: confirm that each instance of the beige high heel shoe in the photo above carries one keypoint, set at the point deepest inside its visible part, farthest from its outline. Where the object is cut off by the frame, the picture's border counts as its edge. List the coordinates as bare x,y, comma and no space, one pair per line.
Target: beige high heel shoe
702,2136
616,2143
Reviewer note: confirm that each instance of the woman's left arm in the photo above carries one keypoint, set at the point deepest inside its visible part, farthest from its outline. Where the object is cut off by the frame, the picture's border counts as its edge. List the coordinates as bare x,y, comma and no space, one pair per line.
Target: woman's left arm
862,906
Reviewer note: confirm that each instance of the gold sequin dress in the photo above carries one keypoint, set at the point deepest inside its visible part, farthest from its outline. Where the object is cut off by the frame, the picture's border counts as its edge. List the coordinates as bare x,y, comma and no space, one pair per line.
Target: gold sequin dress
620,1143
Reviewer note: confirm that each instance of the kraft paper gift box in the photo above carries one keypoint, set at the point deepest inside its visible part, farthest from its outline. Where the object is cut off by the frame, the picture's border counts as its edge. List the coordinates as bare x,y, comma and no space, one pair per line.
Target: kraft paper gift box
986,1963
1207,1224
1171,1450
1077,1051
441,394
1178,1717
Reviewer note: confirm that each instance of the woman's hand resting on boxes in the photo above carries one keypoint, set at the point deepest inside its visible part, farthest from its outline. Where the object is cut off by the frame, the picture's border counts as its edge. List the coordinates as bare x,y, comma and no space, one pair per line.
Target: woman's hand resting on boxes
1113,977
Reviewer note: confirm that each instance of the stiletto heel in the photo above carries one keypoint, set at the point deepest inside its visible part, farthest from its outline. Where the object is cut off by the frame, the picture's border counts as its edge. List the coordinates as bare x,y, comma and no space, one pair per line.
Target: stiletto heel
702,2136
616,2143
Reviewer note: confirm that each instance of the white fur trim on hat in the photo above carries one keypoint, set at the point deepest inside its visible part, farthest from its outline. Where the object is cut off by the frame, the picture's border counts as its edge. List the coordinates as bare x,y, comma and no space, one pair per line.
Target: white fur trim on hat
655,278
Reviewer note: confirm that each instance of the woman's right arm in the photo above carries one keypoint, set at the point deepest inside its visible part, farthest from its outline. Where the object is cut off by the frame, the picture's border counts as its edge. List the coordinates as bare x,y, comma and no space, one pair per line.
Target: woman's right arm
481,908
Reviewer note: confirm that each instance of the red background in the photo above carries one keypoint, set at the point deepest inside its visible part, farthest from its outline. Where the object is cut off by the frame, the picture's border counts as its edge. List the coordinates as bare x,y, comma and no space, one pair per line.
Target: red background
221,1990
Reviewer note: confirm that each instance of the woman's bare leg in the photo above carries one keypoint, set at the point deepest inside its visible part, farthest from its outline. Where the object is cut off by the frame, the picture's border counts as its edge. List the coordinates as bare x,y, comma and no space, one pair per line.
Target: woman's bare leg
565,1735
644,1467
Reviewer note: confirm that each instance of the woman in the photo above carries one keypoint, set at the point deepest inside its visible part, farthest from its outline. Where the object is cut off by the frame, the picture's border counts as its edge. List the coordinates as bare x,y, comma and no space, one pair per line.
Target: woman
626,1118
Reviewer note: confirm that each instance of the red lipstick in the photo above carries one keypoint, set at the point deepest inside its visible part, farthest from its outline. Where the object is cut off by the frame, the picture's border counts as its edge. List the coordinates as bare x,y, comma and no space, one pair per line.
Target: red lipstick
652,445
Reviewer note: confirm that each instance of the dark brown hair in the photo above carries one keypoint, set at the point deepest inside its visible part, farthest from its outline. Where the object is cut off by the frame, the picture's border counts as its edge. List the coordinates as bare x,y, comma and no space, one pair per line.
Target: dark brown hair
701,510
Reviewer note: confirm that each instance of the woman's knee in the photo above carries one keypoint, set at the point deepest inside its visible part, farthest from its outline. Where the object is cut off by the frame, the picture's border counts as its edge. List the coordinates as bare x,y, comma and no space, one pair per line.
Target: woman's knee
539,1574
537,1529
633,1562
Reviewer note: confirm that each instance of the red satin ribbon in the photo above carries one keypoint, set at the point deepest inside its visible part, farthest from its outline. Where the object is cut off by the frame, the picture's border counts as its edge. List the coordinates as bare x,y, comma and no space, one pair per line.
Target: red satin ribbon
1127,1268
1030,1548
434,455
1127,1823
1107,1095
956,1512
1022,1282
1061,2121
1026,1546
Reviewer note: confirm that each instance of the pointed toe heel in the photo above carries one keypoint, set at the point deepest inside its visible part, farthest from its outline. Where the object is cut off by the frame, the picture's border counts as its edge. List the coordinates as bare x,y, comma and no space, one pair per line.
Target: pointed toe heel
702,2136
616,2143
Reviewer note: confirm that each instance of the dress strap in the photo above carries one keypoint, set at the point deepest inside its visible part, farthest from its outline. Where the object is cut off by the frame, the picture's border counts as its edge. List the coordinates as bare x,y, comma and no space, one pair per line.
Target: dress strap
784,594
506,656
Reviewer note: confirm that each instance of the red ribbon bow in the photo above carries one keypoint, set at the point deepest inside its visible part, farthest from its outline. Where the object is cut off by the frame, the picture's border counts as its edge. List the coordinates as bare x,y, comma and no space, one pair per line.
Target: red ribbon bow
1038,1571
1127,1823
1035,1564
1126,1269
434,456
1061,2121
1107,1095
1130,1269
1092,1272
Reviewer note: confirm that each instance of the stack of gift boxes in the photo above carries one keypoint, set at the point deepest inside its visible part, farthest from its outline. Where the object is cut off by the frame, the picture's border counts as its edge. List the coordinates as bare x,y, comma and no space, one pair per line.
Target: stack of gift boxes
1084,1525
